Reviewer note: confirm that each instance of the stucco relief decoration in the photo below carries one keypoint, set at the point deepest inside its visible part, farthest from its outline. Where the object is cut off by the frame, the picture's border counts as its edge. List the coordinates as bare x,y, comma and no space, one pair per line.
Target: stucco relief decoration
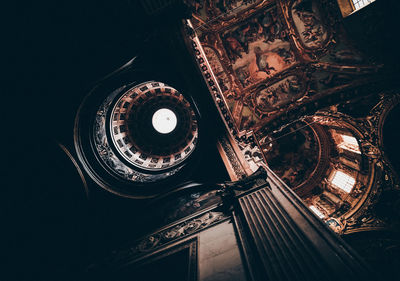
188,204
335,224
107,154
163,237
212,14
179,230
104,149
224,80
366,222
252,153
307,19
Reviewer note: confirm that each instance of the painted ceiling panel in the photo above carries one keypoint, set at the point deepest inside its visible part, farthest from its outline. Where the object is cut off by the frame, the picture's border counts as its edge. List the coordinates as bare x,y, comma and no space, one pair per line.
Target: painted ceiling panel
251,44
272,57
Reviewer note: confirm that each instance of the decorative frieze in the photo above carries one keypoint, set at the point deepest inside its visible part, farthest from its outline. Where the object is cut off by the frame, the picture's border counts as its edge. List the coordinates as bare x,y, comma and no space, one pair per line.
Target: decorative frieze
159,239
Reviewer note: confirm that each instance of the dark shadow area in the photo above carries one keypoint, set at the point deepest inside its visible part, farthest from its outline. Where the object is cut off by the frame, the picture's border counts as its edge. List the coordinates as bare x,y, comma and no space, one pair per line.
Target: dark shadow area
391,136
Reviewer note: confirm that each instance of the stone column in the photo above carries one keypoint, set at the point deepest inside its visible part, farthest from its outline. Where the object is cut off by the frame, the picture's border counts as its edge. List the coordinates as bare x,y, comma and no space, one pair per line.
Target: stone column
283,240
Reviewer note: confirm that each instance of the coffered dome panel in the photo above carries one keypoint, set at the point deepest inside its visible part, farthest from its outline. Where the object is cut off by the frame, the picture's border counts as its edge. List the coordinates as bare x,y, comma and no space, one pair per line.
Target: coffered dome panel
136,140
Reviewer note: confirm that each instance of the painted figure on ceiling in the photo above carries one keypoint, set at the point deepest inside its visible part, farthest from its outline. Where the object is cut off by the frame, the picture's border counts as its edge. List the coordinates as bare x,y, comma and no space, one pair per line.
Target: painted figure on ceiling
261,61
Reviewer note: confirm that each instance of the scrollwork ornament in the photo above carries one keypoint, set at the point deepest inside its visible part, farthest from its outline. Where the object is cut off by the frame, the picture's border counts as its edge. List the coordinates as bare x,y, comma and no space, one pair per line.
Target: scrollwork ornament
164,237
368,221
149,243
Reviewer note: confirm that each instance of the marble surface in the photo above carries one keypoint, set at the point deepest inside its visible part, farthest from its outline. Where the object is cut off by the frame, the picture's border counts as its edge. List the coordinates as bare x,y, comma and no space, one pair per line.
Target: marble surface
219,256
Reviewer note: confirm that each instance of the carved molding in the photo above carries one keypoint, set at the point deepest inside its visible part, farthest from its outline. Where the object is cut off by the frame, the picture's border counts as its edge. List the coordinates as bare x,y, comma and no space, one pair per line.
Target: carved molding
308,53
231,159
217,22
165,237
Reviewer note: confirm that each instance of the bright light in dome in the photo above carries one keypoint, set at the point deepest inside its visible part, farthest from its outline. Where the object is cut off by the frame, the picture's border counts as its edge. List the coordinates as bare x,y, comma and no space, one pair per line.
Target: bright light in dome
164,121
317,212
343,181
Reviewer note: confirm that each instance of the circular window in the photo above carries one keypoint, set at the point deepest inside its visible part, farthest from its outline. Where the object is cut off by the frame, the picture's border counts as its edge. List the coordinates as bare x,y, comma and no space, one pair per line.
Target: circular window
164,121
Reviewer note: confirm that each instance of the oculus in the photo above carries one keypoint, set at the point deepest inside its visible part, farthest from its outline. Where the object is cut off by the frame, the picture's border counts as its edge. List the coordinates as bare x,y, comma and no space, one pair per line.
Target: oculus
164,121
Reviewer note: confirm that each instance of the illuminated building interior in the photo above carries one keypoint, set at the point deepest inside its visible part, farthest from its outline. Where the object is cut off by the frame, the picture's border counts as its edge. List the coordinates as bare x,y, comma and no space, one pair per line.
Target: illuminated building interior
200,139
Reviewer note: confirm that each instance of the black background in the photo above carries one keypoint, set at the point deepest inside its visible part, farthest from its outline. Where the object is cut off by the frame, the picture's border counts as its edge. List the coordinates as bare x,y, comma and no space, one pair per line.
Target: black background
55,51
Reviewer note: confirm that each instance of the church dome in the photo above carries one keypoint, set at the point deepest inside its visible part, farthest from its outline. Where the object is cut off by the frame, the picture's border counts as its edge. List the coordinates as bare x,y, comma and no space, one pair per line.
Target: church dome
136,140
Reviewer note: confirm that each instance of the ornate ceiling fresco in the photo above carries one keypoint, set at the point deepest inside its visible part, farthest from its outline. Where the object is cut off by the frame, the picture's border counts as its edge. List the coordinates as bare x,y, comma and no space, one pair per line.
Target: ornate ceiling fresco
271,56
271,67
